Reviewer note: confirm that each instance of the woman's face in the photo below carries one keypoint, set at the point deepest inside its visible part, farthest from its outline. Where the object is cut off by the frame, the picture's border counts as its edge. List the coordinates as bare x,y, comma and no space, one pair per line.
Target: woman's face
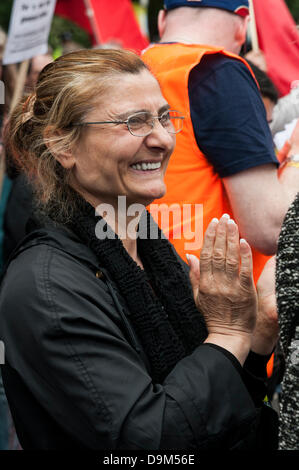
106,155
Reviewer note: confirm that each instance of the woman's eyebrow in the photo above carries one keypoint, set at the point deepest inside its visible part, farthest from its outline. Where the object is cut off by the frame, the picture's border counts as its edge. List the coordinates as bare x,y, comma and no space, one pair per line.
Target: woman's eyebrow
125,115
166,107
131,112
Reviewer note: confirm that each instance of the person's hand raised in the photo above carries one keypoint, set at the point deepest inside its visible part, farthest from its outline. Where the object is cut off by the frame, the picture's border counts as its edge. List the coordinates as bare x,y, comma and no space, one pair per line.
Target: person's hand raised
223,287
266,329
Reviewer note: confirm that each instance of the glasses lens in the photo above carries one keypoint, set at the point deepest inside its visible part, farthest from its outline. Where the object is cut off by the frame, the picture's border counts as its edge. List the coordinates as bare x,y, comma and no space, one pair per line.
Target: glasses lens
172,121
140,124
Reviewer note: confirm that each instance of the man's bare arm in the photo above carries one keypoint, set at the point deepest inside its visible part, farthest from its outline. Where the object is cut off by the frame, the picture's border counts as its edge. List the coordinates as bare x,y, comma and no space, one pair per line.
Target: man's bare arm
260,200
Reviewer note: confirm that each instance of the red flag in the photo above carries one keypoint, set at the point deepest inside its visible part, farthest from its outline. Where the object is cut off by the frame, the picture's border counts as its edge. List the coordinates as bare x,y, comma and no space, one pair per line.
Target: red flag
279,40
106,21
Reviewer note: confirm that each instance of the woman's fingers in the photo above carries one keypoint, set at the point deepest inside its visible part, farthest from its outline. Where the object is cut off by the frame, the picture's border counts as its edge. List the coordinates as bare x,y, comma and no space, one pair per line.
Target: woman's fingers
219,252
266,283
246,278
223,253
206,254
232,250
194,273
226,295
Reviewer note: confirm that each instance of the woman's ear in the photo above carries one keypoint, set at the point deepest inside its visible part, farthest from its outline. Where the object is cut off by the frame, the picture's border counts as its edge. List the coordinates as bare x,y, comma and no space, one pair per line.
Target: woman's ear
52,137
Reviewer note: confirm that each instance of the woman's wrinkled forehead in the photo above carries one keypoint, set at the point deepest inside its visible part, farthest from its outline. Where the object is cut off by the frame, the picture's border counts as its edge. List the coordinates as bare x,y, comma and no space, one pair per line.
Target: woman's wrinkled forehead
129,92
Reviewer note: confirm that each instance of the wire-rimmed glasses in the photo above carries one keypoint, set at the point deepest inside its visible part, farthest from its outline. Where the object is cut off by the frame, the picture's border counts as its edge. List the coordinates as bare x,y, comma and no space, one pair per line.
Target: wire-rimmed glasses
142,123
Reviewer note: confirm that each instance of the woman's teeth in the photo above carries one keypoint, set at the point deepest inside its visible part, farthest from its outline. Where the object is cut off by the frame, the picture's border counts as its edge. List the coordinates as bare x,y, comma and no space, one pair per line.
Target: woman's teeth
146,166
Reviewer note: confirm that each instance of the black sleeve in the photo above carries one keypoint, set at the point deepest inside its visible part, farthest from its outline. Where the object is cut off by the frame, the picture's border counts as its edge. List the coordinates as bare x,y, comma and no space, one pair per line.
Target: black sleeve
253,373
255,376
228,116
93,382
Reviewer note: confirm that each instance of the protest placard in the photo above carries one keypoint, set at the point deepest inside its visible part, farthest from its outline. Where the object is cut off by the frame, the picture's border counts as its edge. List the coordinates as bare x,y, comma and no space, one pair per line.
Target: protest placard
29,29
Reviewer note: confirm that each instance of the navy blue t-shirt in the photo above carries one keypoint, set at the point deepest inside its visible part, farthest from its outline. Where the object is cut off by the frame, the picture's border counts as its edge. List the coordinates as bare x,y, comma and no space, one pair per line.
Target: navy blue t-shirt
228,116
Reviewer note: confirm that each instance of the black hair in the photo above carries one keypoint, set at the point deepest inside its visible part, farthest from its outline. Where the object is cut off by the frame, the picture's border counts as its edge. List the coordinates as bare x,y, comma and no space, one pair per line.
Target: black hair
267,87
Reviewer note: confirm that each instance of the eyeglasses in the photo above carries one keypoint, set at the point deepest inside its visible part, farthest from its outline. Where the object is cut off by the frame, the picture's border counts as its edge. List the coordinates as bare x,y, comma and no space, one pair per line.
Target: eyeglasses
141,124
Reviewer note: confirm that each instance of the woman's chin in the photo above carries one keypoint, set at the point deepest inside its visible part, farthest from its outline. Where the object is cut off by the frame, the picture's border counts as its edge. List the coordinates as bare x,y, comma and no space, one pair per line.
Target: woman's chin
156,193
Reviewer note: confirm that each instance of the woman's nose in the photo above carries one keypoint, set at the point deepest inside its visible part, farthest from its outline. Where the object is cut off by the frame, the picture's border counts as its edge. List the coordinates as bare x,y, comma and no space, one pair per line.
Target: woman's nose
160,137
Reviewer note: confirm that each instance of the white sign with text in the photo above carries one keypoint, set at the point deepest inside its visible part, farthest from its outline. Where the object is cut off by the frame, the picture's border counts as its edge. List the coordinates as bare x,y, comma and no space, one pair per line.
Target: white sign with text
29,29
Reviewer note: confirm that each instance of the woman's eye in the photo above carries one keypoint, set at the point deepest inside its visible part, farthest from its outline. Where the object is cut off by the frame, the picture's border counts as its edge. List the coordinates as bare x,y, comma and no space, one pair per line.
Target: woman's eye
165,118
138,120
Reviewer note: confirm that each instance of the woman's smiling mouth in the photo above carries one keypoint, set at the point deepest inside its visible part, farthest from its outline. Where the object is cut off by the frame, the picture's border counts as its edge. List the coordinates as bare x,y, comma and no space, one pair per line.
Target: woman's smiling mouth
146,166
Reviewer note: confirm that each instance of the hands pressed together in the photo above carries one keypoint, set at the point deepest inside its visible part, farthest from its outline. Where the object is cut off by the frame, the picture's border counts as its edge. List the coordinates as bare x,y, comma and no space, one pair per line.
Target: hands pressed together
238,317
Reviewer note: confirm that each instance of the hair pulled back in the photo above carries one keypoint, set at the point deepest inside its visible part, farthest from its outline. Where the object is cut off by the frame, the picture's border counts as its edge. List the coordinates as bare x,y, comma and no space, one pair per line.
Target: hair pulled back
41,126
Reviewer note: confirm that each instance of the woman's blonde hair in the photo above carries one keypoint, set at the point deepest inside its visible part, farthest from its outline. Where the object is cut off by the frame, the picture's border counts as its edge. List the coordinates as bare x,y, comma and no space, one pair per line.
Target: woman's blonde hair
41,126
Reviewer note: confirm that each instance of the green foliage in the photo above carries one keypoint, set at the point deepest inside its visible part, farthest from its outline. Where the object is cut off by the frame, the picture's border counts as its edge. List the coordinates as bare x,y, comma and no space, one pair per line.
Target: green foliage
294,8
59,28
61,25
153,8
5,9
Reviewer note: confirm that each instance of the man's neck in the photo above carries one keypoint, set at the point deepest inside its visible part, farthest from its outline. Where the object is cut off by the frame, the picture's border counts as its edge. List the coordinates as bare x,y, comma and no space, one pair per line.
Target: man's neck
199,39
180,39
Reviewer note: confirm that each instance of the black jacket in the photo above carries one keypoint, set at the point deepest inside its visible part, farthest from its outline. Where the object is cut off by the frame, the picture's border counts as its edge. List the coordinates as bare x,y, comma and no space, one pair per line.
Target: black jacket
76,375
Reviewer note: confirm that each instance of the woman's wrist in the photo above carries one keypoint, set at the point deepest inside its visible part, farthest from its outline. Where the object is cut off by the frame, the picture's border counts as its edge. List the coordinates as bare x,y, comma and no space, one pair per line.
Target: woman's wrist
263,342
237,344
265,334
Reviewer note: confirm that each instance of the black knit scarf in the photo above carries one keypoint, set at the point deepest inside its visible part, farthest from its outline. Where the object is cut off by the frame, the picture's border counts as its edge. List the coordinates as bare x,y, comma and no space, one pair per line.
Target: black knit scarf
162,309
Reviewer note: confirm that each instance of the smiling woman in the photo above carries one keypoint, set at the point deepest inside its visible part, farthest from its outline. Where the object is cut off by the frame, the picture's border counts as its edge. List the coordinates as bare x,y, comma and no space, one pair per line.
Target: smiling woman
109,344
102,163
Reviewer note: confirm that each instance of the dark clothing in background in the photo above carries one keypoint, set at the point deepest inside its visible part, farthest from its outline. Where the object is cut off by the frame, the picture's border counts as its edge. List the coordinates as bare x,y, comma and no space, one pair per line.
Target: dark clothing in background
18,209
233,134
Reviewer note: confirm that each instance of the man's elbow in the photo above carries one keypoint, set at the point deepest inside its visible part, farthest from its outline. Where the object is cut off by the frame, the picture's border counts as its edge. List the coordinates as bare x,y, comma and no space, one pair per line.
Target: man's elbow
267,247
265,241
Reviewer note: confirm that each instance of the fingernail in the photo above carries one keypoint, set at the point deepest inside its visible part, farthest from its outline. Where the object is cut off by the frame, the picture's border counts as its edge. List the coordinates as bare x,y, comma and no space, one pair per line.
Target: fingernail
243,245
231,222
215,220
189,257
225,216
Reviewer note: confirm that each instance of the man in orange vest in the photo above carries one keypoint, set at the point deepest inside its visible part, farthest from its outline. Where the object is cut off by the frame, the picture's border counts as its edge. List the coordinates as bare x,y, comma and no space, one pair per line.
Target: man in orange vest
224,161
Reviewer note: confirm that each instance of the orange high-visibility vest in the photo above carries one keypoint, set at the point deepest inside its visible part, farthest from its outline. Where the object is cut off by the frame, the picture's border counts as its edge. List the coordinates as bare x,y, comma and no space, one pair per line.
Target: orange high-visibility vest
191,181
